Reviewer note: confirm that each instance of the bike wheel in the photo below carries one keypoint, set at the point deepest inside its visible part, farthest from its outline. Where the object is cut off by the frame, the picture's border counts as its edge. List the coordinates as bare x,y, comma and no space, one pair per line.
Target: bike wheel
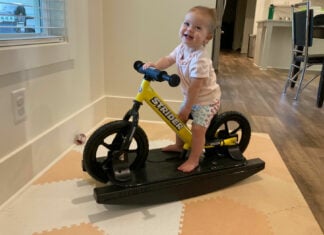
97,154
226,125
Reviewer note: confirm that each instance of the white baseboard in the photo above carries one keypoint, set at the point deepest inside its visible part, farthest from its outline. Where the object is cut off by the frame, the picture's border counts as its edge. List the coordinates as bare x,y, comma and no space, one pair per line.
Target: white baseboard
19,167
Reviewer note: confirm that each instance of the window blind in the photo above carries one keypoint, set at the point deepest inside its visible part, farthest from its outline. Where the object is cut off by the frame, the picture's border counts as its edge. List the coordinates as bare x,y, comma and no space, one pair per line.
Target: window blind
32,21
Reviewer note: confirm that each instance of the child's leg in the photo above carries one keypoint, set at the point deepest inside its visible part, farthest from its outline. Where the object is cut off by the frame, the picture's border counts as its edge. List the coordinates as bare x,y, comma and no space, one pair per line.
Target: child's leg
198,142
177,147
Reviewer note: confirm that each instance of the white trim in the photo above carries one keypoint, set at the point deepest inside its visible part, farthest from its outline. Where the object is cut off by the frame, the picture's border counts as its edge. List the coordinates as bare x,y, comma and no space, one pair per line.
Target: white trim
4,42
5,158
34,157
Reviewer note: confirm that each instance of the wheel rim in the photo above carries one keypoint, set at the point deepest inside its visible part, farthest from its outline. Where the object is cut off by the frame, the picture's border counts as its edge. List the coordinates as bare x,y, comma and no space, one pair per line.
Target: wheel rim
103,142
230,124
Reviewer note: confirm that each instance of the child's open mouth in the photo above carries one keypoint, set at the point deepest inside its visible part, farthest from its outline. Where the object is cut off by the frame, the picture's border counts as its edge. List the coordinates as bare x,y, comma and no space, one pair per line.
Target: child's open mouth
187,36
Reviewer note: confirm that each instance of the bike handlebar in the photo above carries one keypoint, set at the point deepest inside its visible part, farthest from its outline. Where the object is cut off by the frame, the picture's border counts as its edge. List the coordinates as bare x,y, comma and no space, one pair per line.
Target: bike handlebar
157,75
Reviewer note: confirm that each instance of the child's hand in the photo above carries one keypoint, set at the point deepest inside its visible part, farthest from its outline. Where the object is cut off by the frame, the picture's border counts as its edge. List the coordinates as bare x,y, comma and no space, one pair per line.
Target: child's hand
148,64
184,114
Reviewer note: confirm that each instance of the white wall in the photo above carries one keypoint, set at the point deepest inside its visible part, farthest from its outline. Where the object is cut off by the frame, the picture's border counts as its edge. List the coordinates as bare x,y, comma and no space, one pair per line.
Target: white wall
140,30
317,3
64,95
262,8
248,24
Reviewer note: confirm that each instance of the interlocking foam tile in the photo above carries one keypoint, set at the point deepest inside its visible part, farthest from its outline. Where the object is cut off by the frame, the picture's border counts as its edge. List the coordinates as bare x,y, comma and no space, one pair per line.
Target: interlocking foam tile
69,167
82,229
222,215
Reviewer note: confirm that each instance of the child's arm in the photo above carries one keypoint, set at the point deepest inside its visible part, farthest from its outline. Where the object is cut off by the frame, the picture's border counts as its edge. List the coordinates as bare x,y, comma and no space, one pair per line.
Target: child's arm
161,64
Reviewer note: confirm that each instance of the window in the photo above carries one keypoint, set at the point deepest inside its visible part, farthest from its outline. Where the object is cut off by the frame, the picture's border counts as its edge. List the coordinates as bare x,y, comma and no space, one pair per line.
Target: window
32,21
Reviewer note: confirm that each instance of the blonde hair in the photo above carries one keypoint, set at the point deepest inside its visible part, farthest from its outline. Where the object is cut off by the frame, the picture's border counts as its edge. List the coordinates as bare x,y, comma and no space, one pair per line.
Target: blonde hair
210,13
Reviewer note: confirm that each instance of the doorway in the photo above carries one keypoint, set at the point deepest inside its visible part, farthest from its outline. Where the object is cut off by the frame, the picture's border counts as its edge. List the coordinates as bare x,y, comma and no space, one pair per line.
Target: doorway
237,25
228,24
236,20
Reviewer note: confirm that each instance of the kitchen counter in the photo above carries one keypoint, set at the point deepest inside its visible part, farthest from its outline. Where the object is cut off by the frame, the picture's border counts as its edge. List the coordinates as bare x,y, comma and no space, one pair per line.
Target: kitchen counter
273,44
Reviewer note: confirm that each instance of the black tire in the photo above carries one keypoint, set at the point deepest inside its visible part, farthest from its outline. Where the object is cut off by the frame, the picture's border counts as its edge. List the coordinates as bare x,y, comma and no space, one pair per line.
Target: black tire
225,125
105,140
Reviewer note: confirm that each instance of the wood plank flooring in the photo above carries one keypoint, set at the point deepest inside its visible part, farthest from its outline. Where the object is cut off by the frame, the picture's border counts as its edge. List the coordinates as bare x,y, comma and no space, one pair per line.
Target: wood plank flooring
296,128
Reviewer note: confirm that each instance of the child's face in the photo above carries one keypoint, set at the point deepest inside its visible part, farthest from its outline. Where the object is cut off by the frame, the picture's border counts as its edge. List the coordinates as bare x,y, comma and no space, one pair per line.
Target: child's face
194,32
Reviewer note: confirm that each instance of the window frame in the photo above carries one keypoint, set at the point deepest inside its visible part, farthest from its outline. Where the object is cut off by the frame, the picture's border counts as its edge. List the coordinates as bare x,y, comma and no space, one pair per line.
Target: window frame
19,39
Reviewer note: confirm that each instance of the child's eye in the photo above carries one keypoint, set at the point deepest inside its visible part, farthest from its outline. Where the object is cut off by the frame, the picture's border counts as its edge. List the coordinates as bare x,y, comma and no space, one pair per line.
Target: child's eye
186,24
198,28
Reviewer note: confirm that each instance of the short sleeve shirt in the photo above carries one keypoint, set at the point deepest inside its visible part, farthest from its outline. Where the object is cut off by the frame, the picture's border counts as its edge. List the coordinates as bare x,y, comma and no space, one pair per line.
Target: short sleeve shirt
197,65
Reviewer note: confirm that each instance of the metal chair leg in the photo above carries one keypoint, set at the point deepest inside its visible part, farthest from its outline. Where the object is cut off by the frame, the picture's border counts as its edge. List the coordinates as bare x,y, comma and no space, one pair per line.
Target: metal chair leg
299,88
320,92
288,81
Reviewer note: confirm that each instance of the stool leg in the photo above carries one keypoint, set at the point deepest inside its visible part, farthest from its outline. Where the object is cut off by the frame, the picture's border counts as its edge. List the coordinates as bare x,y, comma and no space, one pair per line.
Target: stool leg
299,88
294,72
296,68
291,72
320,92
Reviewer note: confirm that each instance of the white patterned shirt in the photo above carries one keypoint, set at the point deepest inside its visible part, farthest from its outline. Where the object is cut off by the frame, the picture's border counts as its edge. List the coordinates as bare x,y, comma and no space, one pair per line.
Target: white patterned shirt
193,65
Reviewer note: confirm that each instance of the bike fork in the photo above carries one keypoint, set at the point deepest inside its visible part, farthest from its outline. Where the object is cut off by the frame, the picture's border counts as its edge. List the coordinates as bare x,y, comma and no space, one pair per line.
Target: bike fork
120,163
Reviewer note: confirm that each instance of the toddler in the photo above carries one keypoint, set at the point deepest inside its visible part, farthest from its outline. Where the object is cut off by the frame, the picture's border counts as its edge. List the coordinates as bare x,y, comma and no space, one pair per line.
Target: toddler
198,79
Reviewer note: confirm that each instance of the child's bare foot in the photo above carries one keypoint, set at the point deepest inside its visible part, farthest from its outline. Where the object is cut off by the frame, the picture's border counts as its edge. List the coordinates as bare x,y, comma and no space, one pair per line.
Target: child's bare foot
172,148
188,166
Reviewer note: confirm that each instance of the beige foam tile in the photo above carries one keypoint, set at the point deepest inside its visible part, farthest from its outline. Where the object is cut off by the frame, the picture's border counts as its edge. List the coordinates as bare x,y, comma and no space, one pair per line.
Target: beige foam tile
294,221
157,130
222,216
67,168
82,229
265,193
262,146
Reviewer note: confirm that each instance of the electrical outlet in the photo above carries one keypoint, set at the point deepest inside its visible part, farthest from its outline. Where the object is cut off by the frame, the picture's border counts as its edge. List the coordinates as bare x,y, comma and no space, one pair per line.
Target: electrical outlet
18,105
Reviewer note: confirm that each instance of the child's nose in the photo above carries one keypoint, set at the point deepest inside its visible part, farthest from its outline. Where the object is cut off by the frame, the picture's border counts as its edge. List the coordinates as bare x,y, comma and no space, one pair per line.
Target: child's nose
190,28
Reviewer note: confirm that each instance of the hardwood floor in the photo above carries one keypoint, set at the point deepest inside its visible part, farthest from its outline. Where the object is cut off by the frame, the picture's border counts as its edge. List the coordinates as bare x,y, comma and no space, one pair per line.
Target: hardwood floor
296,128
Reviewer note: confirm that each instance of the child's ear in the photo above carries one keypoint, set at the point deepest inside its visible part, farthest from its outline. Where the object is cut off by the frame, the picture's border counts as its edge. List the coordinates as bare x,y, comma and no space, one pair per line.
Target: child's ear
209,37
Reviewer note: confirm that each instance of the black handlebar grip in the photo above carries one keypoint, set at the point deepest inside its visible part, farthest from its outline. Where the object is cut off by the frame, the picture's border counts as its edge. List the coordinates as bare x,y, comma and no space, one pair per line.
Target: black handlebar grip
138,65
153,73
173,80
157,75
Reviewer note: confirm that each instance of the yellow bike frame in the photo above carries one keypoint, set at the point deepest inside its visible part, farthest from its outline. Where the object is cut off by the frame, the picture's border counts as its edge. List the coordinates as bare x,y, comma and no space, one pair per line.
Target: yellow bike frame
146,93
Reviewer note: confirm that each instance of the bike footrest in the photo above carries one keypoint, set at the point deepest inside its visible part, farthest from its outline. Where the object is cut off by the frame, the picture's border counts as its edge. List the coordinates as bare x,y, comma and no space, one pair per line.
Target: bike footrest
235,152
120,169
